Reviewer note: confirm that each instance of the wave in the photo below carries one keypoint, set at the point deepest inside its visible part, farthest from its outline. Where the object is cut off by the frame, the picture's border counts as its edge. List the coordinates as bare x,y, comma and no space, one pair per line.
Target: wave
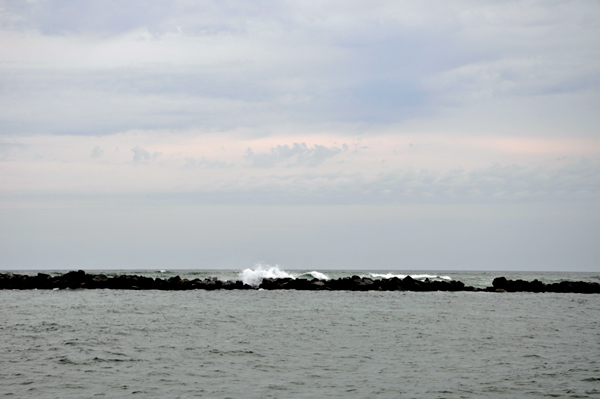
253,277
415,276
315,274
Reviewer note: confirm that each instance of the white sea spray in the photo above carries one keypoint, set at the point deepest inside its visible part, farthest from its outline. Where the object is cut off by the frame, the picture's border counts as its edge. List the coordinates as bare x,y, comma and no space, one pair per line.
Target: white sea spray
414,276
253,277
318,275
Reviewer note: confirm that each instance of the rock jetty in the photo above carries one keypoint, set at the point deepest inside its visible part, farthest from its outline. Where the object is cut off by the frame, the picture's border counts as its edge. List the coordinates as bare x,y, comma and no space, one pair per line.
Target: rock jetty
81,279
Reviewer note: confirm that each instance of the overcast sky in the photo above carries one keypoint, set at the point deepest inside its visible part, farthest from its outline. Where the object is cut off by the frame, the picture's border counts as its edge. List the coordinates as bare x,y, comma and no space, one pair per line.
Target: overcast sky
394,135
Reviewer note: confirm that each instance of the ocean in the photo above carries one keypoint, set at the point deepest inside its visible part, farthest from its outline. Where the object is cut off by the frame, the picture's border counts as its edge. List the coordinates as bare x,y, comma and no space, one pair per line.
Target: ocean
301,344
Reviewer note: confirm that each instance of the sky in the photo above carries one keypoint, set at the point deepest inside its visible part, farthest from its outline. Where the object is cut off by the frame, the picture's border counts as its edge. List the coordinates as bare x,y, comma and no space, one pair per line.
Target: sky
387,135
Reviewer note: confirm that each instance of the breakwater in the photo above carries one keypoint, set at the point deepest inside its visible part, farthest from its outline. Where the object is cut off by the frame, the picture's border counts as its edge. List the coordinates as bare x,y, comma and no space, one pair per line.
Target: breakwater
82,280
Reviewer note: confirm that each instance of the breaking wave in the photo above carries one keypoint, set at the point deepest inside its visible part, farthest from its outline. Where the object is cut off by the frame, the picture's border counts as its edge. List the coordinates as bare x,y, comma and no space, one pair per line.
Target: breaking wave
314,274
253,277
415,276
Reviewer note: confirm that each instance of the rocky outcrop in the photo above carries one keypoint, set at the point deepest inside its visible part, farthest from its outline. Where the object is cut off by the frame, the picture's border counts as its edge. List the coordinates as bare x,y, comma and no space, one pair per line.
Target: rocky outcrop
80,279
356,283
581,287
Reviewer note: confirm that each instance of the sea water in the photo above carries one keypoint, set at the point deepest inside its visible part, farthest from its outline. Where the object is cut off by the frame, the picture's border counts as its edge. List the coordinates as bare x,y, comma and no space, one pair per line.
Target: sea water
300,344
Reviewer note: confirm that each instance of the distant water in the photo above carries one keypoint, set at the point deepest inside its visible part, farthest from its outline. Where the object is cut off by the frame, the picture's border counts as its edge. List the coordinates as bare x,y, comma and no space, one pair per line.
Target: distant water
300,344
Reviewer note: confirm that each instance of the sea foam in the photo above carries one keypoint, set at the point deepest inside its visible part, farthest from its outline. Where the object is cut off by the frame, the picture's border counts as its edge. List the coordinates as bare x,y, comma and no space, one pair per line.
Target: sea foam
253,277
315,274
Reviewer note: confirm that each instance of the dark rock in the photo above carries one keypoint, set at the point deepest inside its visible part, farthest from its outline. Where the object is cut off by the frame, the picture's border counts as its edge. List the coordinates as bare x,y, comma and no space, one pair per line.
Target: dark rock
228,285
299,284
500,282
100,278
440,286
364,284
342,284
72,279
210,284
80,279
410,284
20,282
392,284
268,284
318,285
42,281
457,285
537,286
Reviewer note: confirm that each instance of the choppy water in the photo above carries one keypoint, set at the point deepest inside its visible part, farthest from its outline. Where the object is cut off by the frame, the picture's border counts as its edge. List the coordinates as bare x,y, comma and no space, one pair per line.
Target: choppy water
293,344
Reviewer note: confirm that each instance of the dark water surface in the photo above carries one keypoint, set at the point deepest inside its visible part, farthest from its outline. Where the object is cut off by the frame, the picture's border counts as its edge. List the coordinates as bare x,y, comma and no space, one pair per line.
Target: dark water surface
289,344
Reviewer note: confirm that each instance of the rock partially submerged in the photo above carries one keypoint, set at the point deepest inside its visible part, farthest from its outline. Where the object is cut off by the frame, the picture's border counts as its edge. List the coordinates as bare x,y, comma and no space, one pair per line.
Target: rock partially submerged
356,283
81,279
581,287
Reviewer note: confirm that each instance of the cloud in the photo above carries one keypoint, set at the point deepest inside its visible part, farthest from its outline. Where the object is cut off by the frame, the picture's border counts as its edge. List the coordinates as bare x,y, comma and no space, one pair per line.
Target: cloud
299,154
468,102
225,166
97,152
191,162
141,155
225,65
6,147
495,184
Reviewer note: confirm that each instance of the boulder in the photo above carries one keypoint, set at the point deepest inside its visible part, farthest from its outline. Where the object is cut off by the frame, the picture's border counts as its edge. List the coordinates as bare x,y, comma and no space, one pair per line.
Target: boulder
318,285
500,282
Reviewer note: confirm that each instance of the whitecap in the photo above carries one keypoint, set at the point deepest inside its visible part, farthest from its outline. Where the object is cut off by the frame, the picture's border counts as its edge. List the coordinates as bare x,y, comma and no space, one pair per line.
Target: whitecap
429,276
253,277
388,275
414,276
316,274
